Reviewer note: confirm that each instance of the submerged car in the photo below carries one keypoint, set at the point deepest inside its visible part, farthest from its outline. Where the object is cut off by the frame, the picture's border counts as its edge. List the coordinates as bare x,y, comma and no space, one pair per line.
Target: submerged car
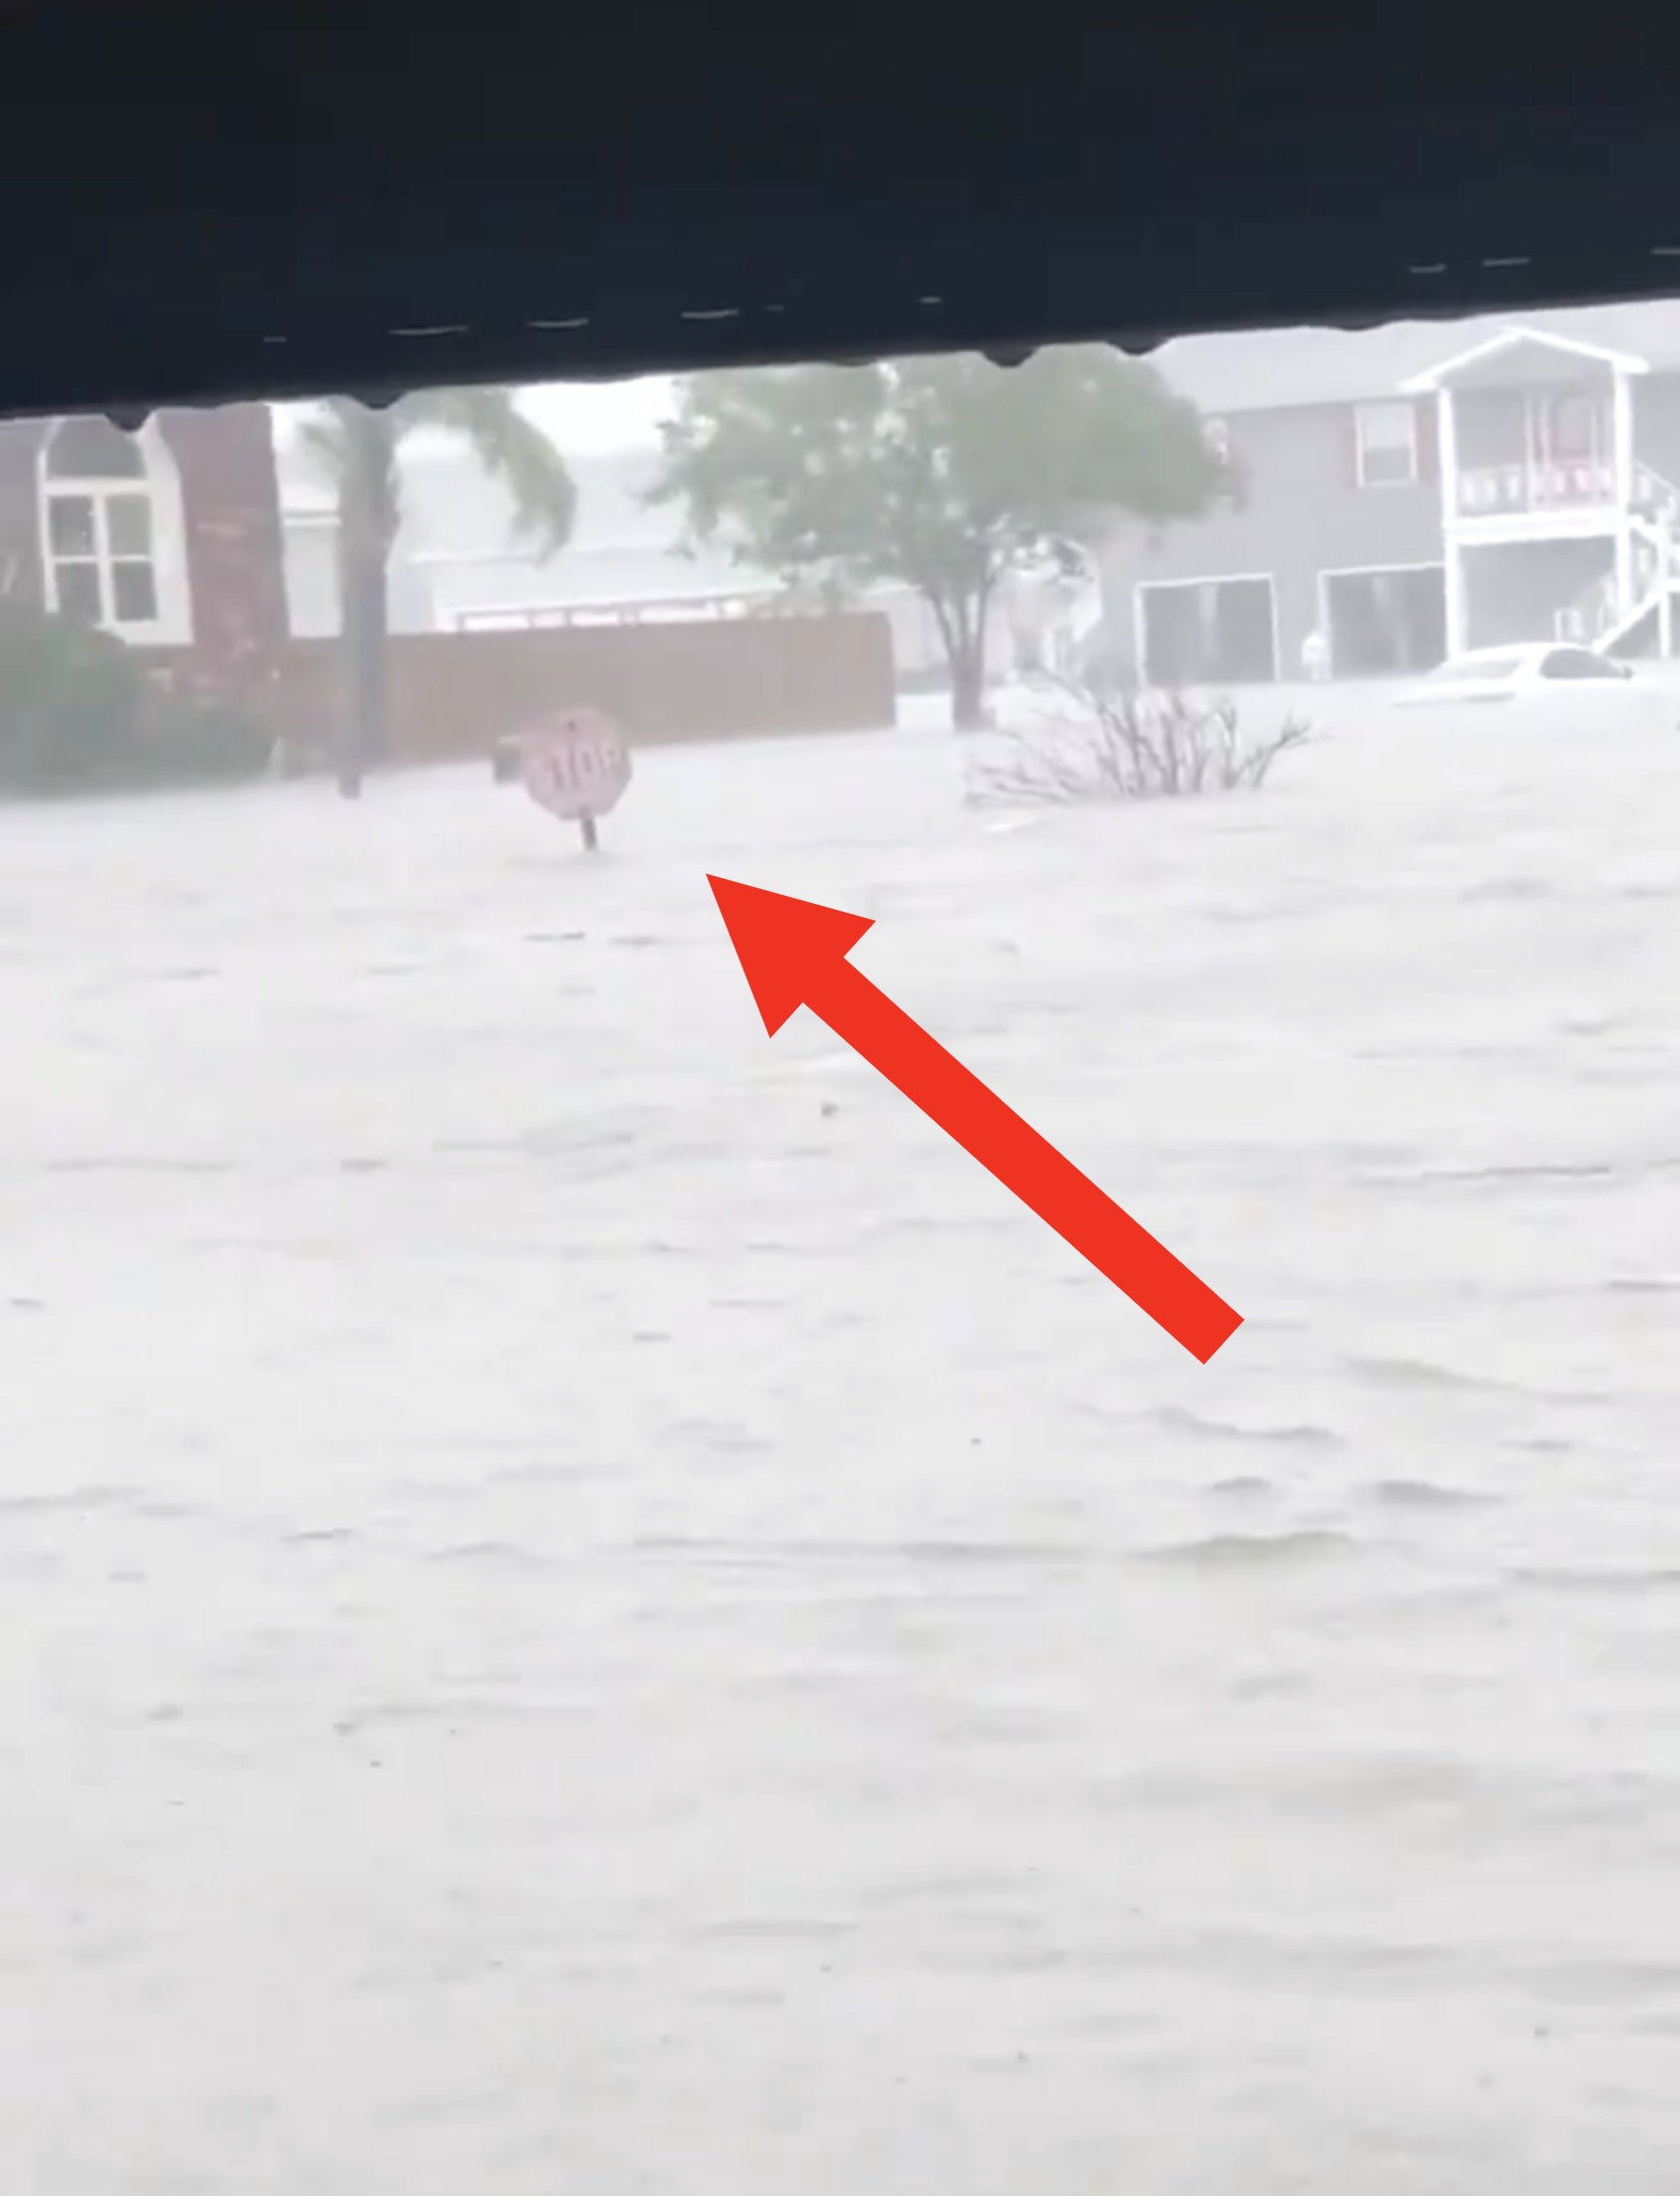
1552,681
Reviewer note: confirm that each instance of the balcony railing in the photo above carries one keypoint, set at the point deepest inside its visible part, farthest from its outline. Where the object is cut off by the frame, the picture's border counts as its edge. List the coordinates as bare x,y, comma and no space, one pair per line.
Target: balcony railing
1492,491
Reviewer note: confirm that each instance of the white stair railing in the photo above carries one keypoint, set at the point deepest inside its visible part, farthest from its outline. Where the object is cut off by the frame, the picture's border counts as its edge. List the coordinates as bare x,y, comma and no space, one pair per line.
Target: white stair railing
1596,616
1654,495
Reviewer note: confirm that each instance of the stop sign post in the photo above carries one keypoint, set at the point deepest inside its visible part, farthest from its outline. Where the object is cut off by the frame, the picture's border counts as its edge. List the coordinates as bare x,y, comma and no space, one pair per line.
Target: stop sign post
577,766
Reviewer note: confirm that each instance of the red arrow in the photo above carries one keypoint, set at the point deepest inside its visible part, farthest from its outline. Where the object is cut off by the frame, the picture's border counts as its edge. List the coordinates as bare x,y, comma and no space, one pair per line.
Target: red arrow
793,954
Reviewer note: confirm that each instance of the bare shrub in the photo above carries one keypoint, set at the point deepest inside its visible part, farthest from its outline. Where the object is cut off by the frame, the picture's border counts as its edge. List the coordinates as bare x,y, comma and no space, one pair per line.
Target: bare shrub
1116,744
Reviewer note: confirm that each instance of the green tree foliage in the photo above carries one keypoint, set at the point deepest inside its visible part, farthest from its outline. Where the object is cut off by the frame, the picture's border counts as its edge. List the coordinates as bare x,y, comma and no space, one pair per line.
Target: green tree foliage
943,475
359,449
77,716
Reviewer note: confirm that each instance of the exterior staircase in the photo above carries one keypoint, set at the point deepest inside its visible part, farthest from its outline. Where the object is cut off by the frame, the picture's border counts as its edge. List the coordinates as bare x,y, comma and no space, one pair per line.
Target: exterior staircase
1642,622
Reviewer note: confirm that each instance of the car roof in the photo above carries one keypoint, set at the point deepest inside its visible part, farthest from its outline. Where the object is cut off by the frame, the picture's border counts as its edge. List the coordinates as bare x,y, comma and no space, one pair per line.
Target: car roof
1507,662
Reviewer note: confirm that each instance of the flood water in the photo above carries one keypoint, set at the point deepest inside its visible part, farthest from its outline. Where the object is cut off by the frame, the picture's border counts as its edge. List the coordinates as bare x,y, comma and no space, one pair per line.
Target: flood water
592,1608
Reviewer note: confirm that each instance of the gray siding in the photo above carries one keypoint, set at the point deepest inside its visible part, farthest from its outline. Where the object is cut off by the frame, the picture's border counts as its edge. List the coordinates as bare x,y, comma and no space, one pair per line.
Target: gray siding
1304,514
1656,423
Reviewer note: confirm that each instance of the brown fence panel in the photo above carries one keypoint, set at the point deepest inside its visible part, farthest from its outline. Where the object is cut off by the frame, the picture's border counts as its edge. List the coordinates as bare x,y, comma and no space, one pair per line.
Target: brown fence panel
454,695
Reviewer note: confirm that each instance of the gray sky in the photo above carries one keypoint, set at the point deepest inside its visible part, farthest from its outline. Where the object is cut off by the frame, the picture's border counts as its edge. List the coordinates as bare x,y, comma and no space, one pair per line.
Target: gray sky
601,415
582,417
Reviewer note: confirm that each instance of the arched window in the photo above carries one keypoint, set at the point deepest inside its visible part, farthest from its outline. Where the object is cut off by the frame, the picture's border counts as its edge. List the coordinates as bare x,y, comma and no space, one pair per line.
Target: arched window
94,450
105,498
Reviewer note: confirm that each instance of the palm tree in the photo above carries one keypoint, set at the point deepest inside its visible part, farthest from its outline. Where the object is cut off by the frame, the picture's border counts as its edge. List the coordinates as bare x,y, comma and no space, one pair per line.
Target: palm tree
358,447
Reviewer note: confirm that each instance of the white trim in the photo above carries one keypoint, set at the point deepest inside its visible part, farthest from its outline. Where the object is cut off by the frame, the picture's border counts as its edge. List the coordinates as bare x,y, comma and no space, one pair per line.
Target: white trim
1452,546
1557,522
1369,571
1621,443
1431,378
1355,571
161,483
1362,412
1143,587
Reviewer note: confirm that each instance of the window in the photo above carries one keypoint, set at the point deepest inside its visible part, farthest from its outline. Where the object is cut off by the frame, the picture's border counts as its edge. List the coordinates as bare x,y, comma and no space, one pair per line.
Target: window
100,526
1218,432
1386,439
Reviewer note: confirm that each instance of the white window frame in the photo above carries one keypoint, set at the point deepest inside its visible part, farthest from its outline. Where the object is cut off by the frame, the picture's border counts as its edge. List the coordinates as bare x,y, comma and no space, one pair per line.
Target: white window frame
1392,410
158,482
102,559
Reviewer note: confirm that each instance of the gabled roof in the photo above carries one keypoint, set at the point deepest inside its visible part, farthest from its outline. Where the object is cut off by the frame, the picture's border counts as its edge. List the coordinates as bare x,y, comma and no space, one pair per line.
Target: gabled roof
1518,337
1269,369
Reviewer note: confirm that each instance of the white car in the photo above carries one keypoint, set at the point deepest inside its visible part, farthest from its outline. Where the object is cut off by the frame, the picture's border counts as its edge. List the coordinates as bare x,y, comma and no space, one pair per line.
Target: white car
1550,682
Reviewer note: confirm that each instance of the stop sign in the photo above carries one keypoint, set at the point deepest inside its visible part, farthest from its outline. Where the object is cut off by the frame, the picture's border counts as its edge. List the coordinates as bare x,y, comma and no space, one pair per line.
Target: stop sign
575,764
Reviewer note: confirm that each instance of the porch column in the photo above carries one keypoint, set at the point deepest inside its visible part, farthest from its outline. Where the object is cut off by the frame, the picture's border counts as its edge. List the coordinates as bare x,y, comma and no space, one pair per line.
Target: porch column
1621,422
1446,443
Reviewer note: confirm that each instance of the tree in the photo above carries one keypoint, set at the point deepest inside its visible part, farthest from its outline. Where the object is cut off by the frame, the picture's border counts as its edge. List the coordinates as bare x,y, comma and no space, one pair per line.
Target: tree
944,475
359,448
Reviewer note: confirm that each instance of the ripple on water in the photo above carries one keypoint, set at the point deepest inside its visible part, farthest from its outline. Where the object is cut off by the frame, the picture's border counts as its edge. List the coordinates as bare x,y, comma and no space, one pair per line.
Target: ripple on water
1254,1552
809,1556
1419,1375
727,1436
1493,1175
1501,889
491,1555
1614,1581
1425,1494
119,1163
71,1500
1178,1418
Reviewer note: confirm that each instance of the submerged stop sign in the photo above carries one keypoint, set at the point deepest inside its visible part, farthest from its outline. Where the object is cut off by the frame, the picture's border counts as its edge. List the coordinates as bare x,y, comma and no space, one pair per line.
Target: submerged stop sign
577,766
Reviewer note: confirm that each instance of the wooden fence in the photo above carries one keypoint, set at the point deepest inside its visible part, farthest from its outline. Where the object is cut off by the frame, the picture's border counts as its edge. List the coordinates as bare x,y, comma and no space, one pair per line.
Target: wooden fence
455,695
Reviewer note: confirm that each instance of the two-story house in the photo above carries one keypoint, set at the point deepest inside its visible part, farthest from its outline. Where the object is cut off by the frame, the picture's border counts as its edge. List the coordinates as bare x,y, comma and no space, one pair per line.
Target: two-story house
1413,491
